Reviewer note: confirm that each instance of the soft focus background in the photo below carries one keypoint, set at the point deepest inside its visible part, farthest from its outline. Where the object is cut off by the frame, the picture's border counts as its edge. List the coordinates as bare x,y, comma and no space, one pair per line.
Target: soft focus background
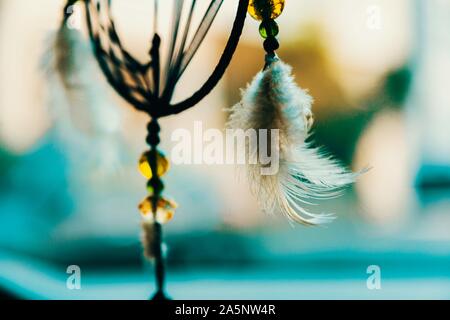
69,187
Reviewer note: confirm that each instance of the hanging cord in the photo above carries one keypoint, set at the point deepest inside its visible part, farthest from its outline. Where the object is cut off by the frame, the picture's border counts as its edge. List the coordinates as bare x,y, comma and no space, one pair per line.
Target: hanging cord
271,44
156,66
157,186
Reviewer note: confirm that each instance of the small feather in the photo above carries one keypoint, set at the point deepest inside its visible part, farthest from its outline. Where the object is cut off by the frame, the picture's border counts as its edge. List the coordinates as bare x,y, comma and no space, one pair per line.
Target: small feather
80,100
274,101
148,239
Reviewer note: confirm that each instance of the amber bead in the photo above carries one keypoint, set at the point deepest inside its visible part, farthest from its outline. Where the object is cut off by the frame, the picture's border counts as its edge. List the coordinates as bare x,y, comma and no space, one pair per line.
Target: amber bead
163,165
164,212
265,9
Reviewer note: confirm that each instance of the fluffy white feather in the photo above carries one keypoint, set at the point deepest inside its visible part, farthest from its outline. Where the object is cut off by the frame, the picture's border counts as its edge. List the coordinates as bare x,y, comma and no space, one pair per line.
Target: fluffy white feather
274,101
69,60
80,101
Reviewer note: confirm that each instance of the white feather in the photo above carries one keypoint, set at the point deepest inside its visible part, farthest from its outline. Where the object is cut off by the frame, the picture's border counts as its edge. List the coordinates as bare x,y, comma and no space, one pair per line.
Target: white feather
148,238
80,101
274,101
69,58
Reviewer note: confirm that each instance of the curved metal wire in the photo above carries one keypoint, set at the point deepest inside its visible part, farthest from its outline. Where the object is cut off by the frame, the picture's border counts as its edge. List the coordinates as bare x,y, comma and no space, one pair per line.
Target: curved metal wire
138,83
123,72
221,67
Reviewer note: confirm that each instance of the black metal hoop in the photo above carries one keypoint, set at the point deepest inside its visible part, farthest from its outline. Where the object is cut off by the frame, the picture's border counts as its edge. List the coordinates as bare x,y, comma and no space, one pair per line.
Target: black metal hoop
221,67
130,78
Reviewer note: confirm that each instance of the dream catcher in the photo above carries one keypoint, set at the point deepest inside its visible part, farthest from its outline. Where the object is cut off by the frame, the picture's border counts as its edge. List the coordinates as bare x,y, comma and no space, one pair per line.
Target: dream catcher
272,101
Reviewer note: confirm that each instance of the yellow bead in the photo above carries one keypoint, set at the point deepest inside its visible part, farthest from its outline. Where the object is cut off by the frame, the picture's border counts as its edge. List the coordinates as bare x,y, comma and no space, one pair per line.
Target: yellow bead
265,9
164,212
163,165
145,207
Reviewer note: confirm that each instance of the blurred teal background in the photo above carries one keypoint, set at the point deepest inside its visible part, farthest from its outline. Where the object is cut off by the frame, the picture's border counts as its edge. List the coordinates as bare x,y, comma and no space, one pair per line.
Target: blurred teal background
69,187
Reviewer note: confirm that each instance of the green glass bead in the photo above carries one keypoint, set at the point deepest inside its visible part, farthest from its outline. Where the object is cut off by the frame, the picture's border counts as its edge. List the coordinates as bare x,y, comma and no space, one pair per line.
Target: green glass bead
155,186
268,28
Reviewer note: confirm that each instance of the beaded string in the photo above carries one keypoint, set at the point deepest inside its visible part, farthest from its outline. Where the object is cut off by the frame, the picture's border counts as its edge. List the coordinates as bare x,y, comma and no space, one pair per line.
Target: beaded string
267,11
156,187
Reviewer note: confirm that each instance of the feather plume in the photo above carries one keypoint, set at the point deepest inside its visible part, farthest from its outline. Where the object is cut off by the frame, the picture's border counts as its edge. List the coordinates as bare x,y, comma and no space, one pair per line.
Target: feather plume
69,60
148,238
72,71
79,99
274,101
